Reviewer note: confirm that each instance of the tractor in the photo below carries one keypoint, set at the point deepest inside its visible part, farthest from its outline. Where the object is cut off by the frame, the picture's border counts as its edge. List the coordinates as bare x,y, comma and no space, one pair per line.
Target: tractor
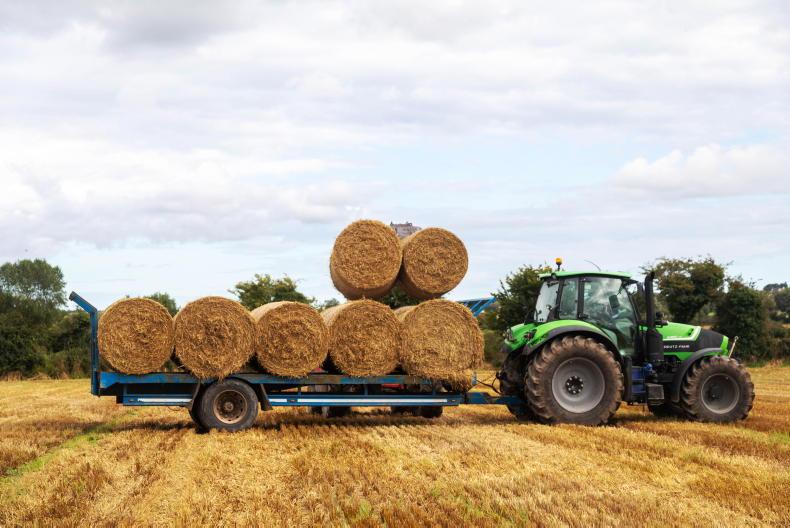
594,340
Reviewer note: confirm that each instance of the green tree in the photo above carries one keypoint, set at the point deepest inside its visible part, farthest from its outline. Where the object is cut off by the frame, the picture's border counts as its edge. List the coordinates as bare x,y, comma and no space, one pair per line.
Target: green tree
517,295
33,289
397,298
69,345
264,289
780,301
165,300
775,286
31,294
19,351
741,312
329,303
687,285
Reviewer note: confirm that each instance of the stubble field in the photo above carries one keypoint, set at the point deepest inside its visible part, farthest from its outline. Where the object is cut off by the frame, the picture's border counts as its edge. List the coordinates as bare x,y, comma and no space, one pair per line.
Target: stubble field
67,458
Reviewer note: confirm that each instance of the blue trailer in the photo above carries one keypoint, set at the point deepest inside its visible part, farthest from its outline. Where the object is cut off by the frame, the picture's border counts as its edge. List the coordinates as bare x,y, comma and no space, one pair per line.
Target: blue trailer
232,403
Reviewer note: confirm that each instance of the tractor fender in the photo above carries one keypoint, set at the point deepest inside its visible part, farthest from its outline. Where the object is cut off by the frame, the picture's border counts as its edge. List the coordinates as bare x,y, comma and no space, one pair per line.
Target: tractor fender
577,330
677,380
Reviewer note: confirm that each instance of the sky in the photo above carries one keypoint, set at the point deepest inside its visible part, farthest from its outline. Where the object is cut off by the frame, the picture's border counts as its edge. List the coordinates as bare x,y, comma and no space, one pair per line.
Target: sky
186,146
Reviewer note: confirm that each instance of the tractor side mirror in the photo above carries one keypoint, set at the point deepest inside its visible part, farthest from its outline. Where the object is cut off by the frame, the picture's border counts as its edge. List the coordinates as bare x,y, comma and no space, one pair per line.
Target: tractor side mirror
660,321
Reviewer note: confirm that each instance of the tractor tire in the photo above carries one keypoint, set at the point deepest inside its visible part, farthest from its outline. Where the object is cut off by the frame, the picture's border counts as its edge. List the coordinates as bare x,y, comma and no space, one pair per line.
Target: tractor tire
229,405
717,389
575,380
522,413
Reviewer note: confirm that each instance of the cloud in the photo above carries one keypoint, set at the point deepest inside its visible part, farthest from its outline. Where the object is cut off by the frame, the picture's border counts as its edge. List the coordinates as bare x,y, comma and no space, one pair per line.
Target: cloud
710,171
56,191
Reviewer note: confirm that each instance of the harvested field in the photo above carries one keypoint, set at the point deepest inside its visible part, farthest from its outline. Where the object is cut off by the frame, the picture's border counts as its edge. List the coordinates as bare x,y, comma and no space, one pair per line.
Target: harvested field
434,262
365,260
136,335
441,340
214,337
474,466
292,338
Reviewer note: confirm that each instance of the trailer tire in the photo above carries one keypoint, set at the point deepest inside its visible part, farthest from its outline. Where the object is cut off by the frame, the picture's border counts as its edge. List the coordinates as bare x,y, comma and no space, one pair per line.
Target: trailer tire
574,379
334,412
431,411
193,412
717,389
228,405
404,409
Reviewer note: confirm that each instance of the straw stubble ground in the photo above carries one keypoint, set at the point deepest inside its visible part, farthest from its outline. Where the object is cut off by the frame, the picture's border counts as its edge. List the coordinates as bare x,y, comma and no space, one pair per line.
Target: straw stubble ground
71,459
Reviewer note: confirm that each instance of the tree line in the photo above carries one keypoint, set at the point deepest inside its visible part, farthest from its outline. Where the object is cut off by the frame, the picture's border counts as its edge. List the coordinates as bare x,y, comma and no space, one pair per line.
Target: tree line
39,335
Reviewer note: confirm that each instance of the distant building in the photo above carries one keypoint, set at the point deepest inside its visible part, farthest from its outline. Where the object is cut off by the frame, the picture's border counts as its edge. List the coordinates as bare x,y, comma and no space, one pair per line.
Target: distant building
404,230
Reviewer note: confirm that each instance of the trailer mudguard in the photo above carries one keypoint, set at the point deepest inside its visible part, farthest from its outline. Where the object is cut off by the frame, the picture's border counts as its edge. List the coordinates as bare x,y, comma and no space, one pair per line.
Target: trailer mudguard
677,381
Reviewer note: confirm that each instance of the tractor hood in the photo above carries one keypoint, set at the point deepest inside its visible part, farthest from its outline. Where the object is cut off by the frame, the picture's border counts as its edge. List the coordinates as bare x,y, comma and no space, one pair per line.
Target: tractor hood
681,338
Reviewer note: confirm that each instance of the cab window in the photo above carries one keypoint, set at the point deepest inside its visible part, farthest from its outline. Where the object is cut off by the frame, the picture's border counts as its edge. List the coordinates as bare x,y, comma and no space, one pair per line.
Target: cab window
546,301
569,300
607,305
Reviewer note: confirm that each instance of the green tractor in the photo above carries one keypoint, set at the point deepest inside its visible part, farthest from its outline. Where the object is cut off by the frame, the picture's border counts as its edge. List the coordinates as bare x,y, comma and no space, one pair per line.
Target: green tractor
595,340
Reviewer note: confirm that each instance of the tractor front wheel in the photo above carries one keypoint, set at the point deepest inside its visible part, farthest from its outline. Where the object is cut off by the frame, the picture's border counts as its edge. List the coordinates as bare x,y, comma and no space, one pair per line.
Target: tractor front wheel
717,389
574,379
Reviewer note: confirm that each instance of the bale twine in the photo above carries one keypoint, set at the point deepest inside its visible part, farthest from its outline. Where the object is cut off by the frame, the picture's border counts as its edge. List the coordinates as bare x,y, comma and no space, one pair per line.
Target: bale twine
364,338
441,341
365,260
136,336
434,262
292,338
215,337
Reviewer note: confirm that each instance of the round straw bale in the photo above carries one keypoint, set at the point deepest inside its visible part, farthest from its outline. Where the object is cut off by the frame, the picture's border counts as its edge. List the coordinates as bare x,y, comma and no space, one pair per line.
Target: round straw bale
292,338
136,335
215,337
441,340
434,262
364,338
365,260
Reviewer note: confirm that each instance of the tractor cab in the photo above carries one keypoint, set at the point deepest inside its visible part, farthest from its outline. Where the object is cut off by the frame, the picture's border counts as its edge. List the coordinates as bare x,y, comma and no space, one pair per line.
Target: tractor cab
604,300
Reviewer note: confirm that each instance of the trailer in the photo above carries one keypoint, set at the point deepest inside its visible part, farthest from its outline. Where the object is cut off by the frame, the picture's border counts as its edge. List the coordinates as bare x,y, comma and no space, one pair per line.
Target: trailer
232,403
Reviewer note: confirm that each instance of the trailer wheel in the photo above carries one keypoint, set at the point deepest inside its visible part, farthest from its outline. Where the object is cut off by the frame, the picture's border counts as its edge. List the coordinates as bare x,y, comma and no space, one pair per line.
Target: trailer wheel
229,405
431,411
334,412
717,389
404,409
574,379
193,412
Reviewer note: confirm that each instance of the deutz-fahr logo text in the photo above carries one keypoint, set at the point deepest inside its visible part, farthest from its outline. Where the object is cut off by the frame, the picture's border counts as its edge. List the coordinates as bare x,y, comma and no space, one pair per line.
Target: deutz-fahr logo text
677,347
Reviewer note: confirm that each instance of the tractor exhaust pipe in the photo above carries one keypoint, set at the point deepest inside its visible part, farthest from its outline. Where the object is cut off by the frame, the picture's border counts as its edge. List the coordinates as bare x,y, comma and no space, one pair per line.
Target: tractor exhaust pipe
654,343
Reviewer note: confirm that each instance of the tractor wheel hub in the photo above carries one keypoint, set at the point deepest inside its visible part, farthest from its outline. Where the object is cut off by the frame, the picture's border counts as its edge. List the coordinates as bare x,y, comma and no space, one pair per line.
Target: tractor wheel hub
574,385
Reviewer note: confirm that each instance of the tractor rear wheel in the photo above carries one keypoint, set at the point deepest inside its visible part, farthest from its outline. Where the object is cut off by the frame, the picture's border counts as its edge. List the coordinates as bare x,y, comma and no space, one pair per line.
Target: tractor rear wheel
522,413
717,389
574,379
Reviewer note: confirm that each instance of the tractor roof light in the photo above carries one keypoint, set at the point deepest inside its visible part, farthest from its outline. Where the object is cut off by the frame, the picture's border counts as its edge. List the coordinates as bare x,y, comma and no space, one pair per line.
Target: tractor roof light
558,262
